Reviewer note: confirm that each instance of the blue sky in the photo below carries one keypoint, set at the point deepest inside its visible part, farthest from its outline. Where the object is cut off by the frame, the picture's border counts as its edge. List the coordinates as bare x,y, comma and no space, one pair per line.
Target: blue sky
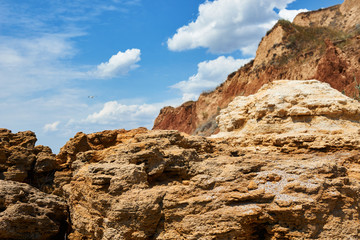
76,65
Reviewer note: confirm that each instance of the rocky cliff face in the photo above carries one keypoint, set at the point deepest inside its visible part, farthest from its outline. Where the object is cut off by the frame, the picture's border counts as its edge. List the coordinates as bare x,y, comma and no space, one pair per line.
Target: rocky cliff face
165,185
21,161
322,45
306,114
26,173
285,165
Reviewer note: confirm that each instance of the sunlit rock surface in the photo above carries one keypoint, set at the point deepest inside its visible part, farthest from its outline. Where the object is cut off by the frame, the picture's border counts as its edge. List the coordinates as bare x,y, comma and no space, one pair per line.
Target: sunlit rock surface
307,113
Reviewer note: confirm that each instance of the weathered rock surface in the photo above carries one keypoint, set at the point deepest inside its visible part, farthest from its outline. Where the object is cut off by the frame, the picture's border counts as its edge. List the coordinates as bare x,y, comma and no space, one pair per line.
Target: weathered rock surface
344,16
167,185
307,114
142,184
22,161
88,143
287,167
286,164
117,193
27,213
322,45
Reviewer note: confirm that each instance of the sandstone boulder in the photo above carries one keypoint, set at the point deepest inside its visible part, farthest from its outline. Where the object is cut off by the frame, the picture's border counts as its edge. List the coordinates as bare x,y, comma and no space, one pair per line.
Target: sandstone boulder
307,114
27,213
117,192
22,161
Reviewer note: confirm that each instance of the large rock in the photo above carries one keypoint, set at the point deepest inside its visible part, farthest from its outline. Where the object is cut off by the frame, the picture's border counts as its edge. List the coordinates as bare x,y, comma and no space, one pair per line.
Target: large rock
27,213
307,114
142,184
167,185
22,161
89,143
117,192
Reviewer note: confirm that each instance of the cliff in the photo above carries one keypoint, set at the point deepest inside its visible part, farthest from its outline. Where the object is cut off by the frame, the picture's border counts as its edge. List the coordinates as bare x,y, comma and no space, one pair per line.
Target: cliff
320,45
285,165
305,114
284,162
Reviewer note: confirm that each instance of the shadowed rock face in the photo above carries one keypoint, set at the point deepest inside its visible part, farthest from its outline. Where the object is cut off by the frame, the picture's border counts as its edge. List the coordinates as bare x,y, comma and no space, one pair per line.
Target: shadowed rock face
21,161
27,213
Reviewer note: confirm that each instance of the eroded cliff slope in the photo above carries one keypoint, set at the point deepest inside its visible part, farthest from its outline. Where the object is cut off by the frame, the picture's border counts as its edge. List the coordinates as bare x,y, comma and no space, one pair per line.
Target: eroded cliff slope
322,45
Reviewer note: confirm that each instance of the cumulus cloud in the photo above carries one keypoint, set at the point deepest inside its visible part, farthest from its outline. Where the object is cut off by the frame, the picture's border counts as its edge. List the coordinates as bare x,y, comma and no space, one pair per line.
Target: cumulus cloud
290,14
39,74
114,111
51,127
119,64
224,26
210,74
120,114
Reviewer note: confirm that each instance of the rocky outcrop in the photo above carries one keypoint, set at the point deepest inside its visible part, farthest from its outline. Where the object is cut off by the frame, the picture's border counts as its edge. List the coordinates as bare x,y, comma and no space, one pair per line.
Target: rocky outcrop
142,184
117,192
286,167
22,161
301,114
344,16
322,45
89,143
181,118
27,213
285,164
168,185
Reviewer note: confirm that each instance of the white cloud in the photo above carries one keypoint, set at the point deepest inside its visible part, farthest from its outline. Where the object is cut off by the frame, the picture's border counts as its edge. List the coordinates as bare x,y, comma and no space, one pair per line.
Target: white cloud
39,74
290,14
224,26
44,49
51,127
119,64
37,46
114,111
120,114
28,65
210,74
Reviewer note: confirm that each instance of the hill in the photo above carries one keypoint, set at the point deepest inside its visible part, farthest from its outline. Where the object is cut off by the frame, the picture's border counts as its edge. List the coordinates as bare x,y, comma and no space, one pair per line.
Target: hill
322,45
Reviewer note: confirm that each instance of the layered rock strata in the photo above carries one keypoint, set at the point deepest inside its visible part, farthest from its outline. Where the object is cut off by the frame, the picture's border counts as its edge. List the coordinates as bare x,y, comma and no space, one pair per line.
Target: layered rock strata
307,114
167,185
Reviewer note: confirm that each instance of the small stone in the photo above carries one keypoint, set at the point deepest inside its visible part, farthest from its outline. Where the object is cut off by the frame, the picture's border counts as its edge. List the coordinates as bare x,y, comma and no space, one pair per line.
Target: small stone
252,185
